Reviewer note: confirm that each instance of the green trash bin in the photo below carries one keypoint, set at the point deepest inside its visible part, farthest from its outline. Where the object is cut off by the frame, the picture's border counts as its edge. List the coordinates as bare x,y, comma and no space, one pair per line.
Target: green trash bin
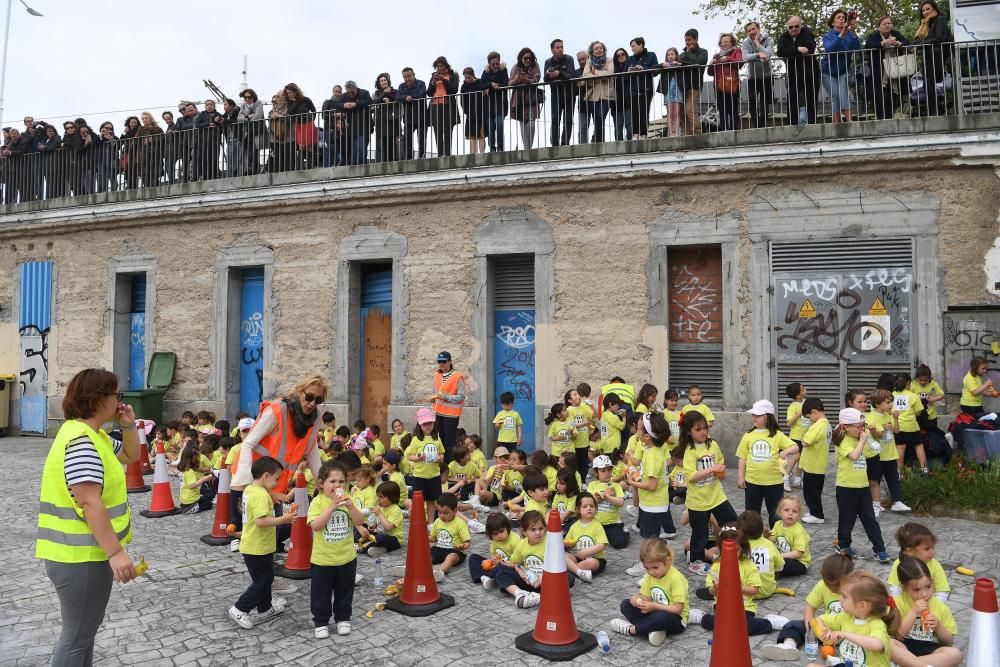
148,402
6,390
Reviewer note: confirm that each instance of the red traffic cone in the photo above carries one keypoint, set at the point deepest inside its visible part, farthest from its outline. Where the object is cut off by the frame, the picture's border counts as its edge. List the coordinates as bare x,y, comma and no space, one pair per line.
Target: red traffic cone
420,596
555,636
143,447
162,503
298,565
984,633
730,618
134,483
219,536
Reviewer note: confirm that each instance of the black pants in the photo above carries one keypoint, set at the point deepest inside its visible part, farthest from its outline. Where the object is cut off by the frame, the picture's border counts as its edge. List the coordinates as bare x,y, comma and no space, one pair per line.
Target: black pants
336,581
812,492
258,593
236,509
770,495
890,473
663,621
755,626
414,124
583,462
476,570
793,568
447,428
561,105
974,410
854,504
439,554
793,630
388,542
723,513
802,97
640,113
650,523
507,576
617,535
759,101
440,117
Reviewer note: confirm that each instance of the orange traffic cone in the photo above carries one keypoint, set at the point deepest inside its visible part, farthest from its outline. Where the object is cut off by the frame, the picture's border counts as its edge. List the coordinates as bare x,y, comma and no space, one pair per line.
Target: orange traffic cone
298,565
730,618
420,596
162,503
219,535
555,636
134,483
144,447
984,634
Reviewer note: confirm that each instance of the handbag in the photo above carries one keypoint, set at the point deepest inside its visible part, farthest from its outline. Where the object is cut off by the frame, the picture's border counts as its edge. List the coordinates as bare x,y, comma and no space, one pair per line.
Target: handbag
900,67
728,81
306,134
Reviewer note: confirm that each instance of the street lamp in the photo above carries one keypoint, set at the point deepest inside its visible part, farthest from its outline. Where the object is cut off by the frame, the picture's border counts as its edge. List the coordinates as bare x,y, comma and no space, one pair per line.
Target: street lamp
6,39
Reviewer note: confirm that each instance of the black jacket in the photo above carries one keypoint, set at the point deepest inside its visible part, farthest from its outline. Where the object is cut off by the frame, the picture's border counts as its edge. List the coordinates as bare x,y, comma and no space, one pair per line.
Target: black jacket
803,70
873,52
641,83
497,103
564,66
690,77
358,119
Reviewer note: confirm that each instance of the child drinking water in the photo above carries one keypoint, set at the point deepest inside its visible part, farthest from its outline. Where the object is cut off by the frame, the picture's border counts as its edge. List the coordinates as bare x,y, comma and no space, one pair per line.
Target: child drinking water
585,542
861,631
927,628
660,608
791,538
854,499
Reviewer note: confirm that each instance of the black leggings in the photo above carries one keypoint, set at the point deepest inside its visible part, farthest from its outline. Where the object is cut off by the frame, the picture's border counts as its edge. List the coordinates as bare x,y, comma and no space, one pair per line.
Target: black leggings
724,514
770,495
854,504
755,626
793,568
812,492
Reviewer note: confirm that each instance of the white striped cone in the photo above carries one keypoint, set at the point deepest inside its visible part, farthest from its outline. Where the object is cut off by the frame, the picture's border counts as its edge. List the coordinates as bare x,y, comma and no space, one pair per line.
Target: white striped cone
984,631
162,502
220,523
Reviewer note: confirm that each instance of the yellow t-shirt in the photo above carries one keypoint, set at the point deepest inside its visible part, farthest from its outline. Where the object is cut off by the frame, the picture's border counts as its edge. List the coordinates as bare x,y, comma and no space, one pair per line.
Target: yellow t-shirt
508,420
551,474
761,453
654,464
174,443
702,408
848,650
579,415
634,447
397,477
851,474
886,443
204,464
707,493
564,431
450,534
467,473
505,549
394,515
587,536
904,603
564,503
513,481
611,426
815,447
538,506
394,440
970,383
673,419
478,459
432,449
377,448
530,557
310,481
799,423
618,471
498,480
823,600
769,562
607,513
671,588
256,541
364,499
938,577
234,453
932,388
334,544
749,576
909,406
216,460
189,496
792,538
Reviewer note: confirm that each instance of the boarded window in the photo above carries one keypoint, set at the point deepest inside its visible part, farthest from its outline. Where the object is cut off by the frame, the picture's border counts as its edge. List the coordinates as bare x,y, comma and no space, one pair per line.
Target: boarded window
694,292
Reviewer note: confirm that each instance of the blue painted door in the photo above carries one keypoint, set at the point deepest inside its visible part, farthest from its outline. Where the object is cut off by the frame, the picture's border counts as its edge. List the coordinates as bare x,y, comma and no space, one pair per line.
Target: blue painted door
514,364
34,320
376,345
137,342
252,341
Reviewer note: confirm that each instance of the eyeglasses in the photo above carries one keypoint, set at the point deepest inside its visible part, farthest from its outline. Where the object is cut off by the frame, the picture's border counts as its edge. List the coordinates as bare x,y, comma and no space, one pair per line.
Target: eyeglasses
117,394
794,27
248,97
312,398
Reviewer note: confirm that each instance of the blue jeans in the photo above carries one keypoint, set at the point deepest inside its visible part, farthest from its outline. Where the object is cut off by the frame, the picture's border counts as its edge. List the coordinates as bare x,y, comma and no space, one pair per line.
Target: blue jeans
494,130
234,158
836,86
598,112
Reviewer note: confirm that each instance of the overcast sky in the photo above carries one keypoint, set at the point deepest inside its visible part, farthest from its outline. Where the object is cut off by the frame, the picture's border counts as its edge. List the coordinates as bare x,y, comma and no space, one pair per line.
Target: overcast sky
106,59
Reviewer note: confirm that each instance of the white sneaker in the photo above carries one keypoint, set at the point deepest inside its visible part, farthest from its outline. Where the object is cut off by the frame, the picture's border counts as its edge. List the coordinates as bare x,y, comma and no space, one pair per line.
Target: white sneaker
322,632
898,506
242,619
476,526
636,570
488,582
796,482
438,575
777,622
621,626
657,637
632,510
343,628
283,588
664,535
375,552
695,615
877,508
787,483
780,652
809,518
635,527
524,599
585,575
270,613
234,546
358,578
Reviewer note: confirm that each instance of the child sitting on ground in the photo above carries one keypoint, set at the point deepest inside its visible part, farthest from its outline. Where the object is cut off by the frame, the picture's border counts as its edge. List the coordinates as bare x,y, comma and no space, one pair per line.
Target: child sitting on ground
917,540
503,541
491,487
660,608
534,497
586,541
387,518
610,498
565,498
861,631
196,489
791,538
462,473
521,575
927,628
450,536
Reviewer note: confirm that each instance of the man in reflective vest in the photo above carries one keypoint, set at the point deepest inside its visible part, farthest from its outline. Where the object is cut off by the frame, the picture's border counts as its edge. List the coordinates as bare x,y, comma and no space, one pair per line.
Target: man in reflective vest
448,399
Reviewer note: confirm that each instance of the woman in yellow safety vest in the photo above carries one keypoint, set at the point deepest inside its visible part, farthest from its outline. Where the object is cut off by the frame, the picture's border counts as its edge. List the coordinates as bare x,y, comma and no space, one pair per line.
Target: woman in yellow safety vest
84,521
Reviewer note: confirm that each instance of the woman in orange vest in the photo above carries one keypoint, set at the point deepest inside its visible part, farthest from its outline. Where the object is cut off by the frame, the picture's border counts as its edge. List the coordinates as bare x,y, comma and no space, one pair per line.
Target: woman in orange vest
448,399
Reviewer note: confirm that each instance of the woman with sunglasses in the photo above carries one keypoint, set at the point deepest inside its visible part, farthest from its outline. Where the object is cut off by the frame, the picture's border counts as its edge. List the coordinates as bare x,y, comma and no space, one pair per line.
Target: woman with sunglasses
286,430
253,132
84,521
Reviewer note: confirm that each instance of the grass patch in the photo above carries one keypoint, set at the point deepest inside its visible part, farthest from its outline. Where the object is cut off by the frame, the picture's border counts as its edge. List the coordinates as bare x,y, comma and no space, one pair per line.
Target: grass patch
958,486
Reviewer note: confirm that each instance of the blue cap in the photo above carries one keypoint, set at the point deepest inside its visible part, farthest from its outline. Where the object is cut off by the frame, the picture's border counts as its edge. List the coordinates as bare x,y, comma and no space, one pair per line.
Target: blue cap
393,457
444,356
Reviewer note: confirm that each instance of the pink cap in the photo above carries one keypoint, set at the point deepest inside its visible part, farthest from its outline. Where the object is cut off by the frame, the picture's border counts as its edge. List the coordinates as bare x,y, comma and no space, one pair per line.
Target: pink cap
425,416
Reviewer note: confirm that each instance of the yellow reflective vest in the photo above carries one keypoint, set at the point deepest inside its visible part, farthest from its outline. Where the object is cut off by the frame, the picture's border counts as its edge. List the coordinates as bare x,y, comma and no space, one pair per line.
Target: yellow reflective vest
63,534
626,392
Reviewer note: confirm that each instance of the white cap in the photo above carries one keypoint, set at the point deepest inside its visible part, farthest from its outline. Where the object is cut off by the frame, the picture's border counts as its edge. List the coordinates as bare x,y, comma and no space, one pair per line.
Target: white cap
245,424
762,407
602,461
851,416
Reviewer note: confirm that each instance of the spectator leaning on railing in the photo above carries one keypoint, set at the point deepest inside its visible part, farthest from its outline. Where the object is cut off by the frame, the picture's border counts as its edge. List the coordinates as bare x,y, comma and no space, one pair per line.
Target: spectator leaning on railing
932,35
797,45
758,48
599,90
411,94
839,43
559,74
691,78
883,43
495,80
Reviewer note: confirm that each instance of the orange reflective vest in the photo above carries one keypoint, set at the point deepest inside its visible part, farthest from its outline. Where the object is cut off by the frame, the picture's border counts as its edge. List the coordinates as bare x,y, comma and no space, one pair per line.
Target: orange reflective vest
449,386
282,443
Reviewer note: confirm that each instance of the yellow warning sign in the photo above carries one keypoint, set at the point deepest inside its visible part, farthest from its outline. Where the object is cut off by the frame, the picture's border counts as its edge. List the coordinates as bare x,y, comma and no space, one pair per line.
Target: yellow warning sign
878,308
807,310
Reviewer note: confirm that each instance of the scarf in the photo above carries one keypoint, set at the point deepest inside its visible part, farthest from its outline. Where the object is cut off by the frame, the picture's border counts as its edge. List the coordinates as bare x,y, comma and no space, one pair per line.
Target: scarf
725,52
599,61
300,420
925,27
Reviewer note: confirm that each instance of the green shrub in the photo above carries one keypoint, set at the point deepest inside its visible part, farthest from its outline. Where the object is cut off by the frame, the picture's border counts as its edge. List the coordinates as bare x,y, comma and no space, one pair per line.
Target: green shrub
959,486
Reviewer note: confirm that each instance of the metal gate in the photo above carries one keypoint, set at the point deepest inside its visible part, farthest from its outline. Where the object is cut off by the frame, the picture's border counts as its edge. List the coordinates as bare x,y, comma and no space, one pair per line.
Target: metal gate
252,340
514,338
137,334
34,320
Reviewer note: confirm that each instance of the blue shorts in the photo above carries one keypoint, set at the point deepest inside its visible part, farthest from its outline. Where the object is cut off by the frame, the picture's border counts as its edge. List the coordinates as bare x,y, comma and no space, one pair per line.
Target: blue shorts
838,88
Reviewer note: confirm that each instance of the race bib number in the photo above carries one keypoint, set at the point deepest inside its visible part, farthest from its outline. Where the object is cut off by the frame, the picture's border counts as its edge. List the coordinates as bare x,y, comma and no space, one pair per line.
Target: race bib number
338,528
604,430
533,564
585,542
444,539
876,447
508,424
675,429
783,545
658,595
924,394
430,453
760,451
604,507
563,434
902,403
761,557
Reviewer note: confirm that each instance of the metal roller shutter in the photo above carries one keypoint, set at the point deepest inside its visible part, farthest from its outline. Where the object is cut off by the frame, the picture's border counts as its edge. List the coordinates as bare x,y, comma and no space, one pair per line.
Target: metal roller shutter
700,365
821,381
513,281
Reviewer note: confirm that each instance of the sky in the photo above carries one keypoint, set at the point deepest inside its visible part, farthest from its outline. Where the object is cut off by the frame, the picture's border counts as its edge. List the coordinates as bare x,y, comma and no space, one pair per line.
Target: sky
108,59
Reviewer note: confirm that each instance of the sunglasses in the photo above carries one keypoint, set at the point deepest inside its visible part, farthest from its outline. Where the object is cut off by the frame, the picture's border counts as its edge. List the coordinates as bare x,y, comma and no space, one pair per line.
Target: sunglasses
312,398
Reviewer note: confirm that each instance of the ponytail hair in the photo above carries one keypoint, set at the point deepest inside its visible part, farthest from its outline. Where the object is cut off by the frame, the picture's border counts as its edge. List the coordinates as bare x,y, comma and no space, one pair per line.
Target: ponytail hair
688,421
838,435
553,412
902,382
659,430
863,586
912,569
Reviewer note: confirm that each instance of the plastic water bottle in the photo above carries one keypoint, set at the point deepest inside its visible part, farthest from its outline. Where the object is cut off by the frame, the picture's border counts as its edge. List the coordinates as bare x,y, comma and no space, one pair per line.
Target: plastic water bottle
379,580
708,653
811,647
603,641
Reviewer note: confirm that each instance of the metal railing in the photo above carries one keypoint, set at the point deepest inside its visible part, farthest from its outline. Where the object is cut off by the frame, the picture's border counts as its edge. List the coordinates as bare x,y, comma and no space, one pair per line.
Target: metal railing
725,96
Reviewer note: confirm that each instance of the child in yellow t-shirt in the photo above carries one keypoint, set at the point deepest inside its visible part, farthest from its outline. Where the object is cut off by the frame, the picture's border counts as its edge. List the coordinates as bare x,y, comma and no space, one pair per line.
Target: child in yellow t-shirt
660,608
763,553
390,473
521,575
503,541
193,498
791,538
332,517
491,485
762,452
927,388
927,628
586,541
610,499
695,398
450,535
861,631
796,423
386,521
561,430
508,422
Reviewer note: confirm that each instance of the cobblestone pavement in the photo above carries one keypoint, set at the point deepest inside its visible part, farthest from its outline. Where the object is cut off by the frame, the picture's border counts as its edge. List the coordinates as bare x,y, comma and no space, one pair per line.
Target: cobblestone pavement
177,614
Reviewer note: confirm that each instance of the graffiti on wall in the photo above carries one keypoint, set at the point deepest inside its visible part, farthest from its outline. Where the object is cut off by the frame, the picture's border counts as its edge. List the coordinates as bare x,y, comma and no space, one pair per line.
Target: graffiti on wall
252,362
695,296
514,365
34,379
970,334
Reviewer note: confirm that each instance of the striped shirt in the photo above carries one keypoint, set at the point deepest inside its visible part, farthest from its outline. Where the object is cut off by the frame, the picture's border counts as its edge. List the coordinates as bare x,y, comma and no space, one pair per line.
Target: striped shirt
83,463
